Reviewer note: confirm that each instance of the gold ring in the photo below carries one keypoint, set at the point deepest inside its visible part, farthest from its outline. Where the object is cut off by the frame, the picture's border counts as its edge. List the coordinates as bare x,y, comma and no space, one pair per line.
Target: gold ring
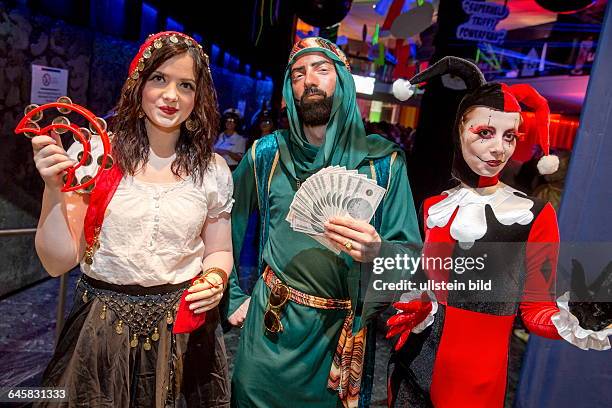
348,245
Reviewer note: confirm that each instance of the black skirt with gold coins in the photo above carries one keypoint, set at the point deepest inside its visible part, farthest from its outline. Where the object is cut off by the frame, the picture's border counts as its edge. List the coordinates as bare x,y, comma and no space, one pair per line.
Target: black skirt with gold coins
117,349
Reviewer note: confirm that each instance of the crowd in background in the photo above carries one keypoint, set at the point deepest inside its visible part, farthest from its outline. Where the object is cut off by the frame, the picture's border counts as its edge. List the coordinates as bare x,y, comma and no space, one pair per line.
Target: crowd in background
403,136
237,135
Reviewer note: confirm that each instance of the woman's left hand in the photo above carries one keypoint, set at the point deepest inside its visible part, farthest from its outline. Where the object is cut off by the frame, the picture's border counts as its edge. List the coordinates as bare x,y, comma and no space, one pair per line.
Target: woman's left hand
357,238
206,295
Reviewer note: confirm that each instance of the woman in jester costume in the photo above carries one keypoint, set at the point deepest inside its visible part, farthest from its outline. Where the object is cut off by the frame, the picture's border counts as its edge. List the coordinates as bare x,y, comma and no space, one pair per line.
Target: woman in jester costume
457,355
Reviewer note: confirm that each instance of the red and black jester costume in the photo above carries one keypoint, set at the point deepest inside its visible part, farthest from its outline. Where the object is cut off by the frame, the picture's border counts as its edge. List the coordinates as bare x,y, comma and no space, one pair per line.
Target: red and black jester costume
460,357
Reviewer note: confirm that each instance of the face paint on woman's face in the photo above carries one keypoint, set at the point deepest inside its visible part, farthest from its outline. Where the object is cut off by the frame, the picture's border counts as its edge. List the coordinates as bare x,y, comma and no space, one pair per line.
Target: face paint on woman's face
488,139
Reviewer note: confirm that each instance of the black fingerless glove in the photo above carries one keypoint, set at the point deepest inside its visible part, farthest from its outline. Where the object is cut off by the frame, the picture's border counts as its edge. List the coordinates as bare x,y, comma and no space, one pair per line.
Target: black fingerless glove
592,305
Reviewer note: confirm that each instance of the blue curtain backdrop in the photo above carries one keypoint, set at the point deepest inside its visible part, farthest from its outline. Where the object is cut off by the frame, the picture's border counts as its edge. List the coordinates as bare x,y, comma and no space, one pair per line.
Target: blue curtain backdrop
555,373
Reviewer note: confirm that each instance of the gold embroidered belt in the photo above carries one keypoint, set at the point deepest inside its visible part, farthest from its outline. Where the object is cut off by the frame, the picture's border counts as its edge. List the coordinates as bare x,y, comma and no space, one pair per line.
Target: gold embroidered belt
347,365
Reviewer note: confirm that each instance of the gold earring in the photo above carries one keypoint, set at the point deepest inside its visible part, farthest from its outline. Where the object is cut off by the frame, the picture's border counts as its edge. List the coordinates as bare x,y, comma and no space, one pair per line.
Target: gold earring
191,125
141,114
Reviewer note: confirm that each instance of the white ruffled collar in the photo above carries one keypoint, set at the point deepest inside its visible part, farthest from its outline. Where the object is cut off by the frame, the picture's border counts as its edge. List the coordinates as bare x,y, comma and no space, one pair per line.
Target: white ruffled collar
470,223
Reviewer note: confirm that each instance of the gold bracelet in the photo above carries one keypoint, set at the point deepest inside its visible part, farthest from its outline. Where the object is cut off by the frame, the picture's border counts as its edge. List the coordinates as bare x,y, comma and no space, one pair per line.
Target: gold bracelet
217,271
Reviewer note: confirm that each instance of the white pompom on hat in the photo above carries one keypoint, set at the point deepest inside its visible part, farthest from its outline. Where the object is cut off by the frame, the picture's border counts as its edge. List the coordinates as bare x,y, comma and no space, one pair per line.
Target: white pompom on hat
469,74
526,94
548,164
402,89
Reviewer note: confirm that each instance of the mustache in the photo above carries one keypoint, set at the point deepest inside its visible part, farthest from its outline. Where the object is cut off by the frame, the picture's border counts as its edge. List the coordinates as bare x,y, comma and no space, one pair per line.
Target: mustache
312,90
314,113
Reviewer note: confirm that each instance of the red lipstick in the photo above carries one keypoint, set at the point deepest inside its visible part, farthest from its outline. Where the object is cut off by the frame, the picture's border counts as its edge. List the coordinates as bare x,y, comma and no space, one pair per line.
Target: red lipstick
168,110
494,163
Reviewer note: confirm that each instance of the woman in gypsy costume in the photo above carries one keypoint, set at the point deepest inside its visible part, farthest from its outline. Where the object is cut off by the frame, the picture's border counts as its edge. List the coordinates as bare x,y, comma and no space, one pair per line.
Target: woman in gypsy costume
457,354
307,361
153,242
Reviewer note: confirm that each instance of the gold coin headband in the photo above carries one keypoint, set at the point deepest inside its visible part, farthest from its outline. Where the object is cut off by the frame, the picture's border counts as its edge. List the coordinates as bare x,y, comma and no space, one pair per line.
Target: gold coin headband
157,41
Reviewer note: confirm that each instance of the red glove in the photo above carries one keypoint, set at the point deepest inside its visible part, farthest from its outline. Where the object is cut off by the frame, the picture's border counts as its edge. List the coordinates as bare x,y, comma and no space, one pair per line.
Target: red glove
411,314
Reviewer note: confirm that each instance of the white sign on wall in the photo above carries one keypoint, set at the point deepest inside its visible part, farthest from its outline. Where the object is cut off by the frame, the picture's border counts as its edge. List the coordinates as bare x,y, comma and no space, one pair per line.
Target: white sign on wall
48,84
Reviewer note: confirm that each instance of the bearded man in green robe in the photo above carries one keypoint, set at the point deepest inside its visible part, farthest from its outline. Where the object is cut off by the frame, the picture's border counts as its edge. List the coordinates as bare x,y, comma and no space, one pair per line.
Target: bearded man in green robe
304,332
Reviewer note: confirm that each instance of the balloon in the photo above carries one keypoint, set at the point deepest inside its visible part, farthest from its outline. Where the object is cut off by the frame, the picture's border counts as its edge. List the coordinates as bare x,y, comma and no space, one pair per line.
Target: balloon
413,21
322,13
565,6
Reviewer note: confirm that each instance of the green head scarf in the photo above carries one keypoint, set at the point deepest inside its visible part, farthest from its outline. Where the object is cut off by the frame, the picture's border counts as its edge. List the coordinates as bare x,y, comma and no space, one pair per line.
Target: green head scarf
346,143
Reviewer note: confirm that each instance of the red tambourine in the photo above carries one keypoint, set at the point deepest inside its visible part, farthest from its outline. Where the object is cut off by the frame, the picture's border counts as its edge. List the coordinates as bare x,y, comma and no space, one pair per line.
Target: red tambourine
29,127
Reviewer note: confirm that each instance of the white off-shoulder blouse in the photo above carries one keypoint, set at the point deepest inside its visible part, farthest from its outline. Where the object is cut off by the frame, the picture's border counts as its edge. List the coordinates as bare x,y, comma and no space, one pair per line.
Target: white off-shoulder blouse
151,234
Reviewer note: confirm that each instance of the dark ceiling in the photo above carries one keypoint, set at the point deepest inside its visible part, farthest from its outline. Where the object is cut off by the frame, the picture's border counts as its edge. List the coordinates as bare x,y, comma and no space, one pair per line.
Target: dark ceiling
234,25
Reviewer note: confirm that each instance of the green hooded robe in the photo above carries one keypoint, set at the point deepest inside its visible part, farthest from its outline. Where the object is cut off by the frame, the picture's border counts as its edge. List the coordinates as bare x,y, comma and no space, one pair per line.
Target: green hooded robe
291,369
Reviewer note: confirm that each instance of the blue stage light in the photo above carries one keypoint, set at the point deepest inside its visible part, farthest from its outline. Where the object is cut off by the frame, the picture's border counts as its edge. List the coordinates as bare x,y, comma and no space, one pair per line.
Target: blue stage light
173,25
148,21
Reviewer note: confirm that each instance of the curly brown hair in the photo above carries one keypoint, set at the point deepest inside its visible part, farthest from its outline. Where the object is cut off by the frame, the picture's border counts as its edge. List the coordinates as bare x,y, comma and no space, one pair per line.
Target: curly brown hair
194,149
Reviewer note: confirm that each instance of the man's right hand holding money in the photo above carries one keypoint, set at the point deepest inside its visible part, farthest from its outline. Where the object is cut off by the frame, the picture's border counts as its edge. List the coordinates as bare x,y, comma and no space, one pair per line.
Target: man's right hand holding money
357,238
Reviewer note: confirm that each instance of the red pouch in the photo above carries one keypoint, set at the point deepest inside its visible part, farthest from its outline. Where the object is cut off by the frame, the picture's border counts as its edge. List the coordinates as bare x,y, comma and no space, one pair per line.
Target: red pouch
186,320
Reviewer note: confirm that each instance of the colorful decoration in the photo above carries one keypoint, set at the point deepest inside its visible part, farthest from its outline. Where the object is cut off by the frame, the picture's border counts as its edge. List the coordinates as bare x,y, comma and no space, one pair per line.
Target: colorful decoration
375,35
377,50
394,12
414,21
260,9
488,55
403,68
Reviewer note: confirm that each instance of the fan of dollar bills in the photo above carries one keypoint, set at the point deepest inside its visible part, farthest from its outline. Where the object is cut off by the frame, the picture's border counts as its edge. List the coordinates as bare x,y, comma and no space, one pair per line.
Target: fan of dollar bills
333,192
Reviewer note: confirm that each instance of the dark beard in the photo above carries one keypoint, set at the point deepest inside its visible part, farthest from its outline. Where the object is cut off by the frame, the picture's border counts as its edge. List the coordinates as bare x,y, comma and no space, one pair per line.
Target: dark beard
314,113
